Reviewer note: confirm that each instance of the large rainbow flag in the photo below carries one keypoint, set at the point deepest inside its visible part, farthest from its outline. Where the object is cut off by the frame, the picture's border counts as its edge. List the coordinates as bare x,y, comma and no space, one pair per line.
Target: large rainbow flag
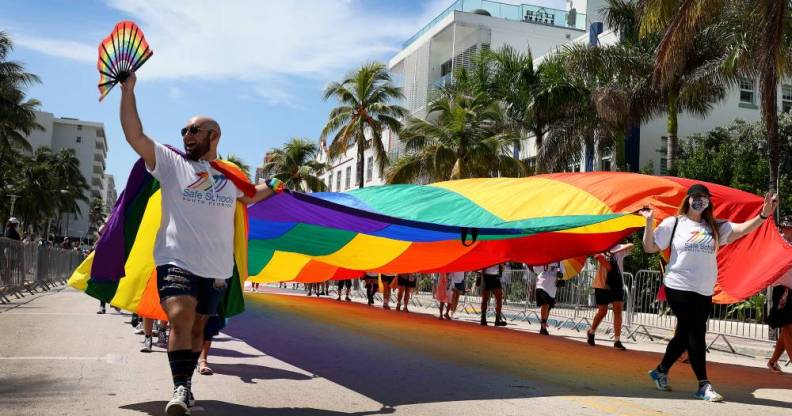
472,223
121,270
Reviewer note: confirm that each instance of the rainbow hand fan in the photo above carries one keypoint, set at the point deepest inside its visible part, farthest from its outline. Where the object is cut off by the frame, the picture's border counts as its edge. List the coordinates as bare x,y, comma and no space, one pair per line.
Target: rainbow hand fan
120,54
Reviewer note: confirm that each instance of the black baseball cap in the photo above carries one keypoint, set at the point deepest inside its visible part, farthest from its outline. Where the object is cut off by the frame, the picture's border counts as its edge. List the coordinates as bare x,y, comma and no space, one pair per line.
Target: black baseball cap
698,189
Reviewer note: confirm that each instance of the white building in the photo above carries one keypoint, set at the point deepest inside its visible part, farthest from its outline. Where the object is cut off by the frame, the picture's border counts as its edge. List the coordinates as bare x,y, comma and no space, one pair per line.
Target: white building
88,140
109,194
430,57
341,172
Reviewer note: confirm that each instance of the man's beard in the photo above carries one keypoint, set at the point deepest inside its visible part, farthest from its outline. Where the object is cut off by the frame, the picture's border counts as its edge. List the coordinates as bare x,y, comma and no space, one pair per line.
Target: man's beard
198,150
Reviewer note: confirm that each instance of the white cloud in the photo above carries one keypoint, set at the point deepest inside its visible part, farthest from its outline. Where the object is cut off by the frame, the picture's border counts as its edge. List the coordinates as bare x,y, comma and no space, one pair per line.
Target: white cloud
62,48
263,44
174,93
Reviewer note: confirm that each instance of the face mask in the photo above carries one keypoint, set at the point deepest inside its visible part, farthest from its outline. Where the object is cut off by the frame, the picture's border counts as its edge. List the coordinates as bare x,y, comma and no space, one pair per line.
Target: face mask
699,204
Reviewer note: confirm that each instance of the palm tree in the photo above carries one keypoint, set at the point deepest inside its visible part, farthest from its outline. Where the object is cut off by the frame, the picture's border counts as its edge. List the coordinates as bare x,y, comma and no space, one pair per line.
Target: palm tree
240,164
759,43
364,98
531,96
69,185
96,215
465,136
296,166
17,116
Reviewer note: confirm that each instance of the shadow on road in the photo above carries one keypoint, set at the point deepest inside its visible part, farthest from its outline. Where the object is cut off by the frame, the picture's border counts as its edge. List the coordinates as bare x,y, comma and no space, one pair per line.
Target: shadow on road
214,407
222,352
248,372
397,359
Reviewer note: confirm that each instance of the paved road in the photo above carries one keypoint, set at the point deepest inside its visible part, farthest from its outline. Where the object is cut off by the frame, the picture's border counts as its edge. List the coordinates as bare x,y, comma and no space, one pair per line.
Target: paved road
293,355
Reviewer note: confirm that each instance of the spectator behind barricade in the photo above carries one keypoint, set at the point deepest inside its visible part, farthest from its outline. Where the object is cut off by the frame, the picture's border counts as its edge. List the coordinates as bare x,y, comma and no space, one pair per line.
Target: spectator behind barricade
780,316
11,230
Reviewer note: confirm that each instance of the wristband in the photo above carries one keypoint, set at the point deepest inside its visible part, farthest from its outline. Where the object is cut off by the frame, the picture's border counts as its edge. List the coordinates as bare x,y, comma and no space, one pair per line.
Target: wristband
763,217
276,185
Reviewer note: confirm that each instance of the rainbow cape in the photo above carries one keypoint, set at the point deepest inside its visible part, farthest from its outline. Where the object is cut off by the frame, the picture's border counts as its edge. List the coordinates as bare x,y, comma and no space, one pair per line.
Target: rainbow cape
121,270
536,220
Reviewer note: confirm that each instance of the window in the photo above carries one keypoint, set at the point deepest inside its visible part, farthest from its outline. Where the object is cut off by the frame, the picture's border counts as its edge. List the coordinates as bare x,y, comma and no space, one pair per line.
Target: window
747,93
338,181
79,127
348,176
369,168
663,150
79,139
330,183
445,68
786,98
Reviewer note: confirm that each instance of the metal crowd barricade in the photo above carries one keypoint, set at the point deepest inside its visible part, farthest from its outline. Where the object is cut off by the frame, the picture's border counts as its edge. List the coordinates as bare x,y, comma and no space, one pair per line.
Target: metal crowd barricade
27,268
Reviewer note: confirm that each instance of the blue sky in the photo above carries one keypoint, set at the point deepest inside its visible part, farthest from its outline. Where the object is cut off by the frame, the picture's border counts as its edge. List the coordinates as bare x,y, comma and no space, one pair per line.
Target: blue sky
258,67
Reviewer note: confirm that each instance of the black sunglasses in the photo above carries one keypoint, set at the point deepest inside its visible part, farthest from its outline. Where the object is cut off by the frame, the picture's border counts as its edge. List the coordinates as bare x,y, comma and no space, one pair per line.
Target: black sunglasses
192,130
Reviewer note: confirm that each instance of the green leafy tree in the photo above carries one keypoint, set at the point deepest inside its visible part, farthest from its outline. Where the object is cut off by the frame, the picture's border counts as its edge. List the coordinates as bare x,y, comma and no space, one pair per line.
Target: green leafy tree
295,165
97,214
365,106
465,136
758,38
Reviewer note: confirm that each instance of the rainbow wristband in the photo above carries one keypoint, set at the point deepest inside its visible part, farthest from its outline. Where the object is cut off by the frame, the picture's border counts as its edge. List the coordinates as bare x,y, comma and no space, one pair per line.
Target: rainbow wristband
276,185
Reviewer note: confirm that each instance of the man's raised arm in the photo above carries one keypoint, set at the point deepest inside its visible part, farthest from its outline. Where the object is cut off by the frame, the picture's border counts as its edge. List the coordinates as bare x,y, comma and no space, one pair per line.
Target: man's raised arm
130,122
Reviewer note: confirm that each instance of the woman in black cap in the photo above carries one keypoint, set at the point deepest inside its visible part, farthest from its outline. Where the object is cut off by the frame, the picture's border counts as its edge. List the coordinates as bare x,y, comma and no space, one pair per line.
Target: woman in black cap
780,316
694,236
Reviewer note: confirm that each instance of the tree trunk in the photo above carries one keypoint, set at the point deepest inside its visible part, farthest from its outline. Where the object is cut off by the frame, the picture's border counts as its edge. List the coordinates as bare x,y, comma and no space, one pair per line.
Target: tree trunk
673,128
539,142
620,151
361,153
771,44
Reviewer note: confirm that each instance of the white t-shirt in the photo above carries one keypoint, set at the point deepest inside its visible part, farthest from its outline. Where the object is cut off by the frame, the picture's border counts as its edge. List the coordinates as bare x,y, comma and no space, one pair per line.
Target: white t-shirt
693,265
197,228
457,277
546,279
492,270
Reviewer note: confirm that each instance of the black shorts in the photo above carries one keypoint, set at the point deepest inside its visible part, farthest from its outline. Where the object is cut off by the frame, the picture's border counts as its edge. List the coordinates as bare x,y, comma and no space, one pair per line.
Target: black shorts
460,286
780,317
345,283
607,296
387,278
175,281
407,281
492,282
543,298
213,327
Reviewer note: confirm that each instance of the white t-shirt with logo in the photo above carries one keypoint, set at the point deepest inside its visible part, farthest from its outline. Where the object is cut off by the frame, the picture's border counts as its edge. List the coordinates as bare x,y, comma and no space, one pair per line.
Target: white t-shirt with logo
547,277
693,265
457,277
197,228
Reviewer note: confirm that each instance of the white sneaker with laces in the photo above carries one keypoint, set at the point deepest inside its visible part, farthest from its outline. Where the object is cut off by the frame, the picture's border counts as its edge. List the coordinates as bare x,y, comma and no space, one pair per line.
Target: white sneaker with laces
147,341
707,393
178,406
139,328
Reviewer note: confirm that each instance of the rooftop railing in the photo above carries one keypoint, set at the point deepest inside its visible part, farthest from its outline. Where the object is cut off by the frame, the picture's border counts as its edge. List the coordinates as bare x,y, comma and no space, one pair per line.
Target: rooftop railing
524,13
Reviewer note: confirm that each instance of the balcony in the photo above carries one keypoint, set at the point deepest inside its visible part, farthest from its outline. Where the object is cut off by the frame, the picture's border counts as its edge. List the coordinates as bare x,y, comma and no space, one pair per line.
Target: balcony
521,13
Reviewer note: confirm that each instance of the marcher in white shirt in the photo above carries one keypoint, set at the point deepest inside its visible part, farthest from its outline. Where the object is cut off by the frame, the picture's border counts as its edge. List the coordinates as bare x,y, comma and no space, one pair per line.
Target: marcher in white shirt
194,246
694,237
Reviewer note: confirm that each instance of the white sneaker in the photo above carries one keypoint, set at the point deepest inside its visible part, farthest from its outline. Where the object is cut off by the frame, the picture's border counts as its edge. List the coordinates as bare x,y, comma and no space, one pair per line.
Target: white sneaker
147,341
139,328
178,406
707,393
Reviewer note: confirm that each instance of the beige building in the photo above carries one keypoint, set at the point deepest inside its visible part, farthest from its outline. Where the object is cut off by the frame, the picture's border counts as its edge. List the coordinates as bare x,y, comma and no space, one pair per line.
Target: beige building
88,140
